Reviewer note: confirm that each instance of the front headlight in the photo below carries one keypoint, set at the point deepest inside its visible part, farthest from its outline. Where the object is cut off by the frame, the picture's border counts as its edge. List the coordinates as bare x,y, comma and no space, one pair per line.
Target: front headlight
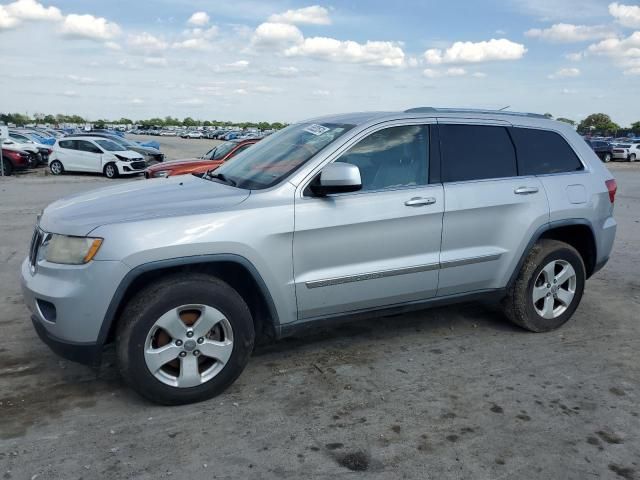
161,174
70,250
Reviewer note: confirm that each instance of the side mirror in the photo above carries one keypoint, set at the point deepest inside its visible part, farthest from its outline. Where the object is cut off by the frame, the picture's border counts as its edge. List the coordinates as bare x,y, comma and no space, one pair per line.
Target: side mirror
337,178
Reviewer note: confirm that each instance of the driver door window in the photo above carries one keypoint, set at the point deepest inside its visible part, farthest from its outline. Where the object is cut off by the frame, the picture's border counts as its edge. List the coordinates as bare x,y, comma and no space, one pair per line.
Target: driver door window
392,158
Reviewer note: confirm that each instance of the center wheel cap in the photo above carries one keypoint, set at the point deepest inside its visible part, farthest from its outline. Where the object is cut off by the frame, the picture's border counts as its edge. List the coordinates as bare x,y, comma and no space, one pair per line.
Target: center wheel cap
190,345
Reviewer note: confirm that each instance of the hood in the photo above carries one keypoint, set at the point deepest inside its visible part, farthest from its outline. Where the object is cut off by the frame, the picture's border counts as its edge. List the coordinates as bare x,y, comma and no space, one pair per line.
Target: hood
151,143
143,149
81,213
130,154
23,147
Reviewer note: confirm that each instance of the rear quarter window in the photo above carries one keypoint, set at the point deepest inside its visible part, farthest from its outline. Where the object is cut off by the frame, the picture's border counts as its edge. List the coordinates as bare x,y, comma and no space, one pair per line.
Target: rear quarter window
542,152
70,144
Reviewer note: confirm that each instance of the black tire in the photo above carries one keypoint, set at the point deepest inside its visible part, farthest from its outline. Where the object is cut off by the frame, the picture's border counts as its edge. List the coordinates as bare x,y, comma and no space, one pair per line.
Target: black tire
8,167
110,170
144,309
56,166
519,306
606,158
632,157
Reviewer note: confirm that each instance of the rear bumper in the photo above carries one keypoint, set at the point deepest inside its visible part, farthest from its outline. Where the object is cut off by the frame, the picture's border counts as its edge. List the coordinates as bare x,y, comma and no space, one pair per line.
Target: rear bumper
85,353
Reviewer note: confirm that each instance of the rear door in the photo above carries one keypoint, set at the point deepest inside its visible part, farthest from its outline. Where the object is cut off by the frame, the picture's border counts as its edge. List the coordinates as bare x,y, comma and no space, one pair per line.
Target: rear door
491,212
66,153
378,246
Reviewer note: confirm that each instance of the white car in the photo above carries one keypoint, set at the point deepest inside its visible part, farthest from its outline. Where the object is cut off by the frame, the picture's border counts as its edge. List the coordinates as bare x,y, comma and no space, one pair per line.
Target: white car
30,148
94,154
194,135
167,133
626,151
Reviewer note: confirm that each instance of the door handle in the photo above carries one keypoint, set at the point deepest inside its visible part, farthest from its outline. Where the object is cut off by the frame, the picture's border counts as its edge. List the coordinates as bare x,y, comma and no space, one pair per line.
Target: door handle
525,190
420,201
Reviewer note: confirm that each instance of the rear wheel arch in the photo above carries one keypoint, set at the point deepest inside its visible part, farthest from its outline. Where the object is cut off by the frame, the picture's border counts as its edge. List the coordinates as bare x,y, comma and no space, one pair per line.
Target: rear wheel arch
575,232
235,270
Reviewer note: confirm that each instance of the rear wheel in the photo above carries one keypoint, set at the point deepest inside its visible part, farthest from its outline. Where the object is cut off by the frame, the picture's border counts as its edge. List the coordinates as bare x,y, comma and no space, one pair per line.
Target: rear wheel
110,170
548,289
606,158
632,157
184,339
56,167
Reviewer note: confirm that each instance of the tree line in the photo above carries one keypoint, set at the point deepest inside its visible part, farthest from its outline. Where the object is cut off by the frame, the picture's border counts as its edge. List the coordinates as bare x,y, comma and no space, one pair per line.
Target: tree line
20,119
595,124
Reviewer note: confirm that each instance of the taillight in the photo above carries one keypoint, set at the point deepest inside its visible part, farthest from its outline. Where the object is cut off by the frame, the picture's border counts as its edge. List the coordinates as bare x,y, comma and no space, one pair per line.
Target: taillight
612,188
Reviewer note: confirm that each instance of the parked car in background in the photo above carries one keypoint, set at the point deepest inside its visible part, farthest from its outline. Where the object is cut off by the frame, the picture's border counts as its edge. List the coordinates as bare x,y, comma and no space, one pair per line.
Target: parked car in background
94,154
626,151
150,154
13,160
602,148
30,148
192,134
209,161
30,139
168,133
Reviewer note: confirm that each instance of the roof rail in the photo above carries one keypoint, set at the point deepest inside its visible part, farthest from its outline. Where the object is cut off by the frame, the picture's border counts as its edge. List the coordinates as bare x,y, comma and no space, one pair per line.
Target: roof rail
472,110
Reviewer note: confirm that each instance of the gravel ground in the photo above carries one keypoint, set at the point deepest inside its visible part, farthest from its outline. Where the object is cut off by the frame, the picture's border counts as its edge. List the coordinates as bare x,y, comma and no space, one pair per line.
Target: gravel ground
446,393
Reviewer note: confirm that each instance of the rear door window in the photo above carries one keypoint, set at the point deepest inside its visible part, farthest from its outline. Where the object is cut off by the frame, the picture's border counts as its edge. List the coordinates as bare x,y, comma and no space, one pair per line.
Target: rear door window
476,152
543,152
68,144
85,146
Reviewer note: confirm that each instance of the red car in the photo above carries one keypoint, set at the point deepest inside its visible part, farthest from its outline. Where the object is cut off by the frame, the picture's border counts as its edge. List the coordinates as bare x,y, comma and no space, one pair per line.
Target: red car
210,161
15,160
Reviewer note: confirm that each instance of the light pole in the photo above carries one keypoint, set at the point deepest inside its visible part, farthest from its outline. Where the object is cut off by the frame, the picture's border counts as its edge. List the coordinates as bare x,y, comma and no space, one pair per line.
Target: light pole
4,133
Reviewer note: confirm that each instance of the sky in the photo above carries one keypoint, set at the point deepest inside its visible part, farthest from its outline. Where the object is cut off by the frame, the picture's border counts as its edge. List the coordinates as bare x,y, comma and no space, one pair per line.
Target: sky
287,60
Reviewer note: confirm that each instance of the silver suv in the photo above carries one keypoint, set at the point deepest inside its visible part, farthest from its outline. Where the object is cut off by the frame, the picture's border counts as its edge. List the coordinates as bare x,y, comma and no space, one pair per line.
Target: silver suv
333,218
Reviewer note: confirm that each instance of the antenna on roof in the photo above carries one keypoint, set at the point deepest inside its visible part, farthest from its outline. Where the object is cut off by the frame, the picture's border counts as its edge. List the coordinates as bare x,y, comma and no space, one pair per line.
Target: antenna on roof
504,108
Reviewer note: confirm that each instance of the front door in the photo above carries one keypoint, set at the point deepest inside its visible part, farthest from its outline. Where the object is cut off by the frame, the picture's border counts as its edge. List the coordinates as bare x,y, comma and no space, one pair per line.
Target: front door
376,247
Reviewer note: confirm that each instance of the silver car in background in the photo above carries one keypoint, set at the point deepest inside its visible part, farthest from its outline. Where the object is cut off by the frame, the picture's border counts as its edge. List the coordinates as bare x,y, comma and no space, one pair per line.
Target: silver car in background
334,218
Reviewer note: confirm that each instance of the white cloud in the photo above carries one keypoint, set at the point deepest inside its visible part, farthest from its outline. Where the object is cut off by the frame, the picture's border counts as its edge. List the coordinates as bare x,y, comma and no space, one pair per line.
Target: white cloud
146,42
574,57
81,80
6,20
70,93
198,19
568,33
192,44
313,15
565,73
276,35
156,61
321,93
449,72
240,91
112,46
479,75
626,15
237,66
568,91
206,33
285,72
136,101
476,52
32,10
89,27
193,102
625,52
266,89
388,54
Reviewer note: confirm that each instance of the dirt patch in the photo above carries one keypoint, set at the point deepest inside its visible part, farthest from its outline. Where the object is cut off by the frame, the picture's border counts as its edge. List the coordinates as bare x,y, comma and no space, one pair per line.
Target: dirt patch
609,437
617,391
355,461
624,472
496,409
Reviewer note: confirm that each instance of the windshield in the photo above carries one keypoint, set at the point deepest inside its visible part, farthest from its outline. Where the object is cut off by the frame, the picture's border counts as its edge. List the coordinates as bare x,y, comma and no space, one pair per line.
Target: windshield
276,157
110,146
220,151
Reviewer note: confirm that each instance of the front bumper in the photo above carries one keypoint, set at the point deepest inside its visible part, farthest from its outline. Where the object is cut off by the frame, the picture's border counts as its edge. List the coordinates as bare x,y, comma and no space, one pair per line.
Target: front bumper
85,353
69,303
620,155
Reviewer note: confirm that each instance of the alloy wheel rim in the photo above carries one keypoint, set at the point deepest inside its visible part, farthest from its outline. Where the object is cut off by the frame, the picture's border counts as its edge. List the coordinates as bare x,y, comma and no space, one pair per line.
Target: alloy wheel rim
188,345
554,289
109,171
55,168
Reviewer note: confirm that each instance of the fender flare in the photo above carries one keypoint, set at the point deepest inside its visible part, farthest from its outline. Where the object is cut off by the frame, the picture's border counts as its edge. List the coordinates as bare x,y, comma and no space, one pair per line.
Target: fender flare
134,273
539,232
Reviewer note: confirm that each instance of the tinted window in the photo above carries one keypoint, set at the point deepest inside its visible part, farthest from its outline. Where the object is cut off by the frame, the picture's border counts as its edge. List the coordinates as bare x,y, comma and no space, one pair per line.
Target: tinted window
111,146
241,149
541,152
391,158
70,144
85,146
474,152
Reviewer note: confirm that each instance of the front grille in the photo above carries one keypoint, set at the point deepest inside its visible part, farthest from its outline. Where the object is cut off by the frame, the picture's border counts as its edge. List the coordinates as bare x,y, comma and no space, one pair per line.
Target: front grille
36,241
138,165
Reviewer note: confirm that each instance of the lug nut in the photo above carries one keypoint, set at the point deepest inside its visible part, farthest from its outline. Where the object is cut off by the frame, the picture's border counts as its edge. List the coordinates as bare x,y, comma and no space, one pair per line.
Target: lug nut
179,343
189,334
200,340
183,354
196,352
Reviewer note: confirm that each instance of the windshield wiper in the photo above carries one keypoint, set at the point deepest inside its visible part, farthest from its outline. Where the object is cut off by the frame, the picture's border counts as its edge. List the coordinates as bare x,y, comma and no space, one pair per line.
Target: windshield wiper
221,176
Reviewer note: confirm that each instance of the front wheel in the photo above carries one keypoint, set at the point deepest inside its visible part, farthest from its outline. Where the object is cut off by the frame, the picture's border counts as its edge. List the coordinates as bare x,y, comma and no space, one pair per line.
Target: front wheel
548,288
8,167
184,339
606,158
110,170
632,157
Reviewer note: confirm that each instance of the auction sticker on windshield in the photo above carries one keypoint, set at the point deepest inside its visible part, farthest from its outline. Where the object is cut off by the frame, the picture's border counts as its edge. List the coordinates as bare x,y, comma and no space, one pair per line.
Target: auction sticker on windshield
316,129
